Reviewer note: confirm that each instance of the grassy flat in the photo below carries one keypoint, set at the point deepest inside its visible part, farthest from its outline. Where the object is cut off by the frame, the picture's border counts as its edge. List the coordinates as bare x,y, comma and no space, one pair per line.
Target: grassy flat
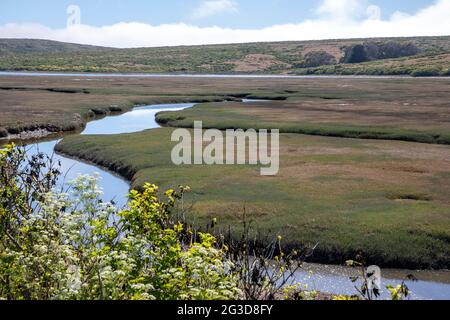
388,199
401,109
407,110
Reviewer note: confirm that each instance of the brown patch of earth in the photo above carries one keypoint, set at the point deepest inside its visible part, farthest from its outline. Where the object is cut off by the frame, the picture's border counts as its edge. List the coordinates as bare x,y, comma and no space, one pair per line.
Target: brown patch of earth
257,62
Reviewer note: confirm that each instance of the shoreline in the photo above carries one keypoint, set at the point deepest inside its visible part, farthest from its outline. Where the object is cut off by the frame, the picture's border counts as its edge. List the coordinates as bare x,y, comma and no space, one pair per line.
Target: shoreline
101,167
9,73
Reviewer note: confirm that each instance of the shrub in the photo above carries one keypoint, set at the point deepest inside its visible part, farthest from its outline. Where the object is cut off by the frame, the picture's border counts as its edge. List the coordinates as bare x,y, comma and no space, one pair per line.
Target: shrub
446,72
73,246
317,59
99,111
392,49
377,51
444,139
355,54
115,109
3,133
426,72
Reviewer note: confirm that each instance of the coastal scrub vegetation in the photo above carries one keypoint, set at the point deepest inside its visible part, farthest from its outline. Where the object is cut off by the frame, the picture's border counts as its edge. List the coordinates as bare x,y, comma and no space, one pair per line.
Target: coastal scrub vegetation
348,56
370,51
55,245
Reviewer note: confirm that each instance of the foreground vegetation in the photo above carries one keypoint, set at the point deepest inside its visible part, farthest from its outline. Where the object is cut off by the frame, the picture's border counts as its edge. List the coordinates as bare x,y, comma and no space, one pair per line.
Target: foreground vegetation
72,246
417,56
60,246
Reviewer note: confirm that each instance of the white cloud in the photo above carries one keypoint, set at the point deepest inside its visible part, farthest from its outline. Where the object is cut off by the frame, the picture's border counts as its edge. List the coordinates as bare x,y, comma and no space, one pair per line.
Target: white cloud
210,8
339,9
373,12
431,21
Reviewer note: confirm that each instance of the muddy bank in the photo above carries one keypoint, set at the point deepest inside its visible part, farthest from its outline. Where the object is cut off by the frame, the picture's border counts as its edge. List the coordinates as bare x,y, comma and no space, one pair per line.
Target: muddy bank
41,131
121,169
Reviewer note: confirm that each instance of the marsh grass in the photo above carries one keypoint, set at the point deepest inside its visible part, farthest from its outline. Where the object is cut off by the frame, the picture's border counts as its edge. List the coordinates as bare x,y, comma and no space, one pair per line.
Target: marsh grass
331,191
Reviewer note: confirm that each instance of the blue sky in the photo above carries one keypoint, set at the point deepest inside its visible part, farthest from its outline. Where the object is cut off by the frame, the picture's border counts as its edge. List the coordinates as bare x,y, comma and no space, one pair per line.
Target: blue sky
142,23
250,13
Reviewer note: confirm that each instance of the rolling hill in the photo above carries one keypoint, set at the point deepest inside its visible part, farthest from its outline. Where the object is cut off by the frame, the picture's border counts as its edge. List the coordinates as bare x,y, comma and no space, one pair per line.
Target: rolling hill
33,46
417,56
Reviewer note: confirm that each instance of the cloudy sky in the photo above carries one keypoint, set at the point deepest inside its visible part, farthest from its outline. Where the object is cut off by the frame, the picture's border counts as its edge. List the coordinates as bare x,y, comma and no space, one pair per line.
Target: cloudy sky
138,23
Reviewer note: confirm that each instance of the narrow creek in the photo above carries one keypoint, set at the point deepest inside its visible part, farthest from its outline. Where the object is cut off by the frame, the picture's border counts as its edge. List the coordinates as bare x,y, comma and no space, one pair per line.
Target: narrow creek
324,278
114,187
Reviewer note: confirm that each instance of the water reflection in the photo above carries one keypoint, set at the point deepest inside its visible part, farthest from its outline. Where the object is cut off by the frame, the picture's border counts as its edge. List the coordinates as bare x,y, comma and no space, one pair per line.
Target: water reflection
139,119
336,280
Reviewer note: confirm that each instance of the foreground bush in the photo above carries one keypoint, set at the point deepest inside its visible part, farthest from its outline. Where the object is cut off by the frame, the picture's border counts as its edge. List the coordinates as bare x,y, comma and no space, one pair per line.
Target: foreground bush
74,246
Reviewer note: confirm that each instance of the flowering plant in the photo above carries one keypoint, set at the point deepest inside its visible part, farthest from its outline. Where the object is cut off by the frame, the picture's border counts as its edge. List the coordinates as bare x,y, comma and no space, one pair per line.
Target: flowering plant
56,245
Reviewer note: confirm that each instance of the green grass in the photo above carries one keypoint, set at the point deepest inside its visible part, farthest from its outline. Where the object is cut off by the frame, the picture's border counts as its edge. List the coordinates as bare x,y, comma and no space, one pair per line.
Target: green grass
232,116
331,191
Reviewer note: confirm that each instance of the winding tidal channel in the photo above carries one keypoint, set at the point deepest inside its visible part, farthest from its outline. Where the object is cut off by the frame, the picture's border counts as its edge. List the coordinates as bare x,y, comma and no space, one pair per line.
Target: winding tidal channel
114,187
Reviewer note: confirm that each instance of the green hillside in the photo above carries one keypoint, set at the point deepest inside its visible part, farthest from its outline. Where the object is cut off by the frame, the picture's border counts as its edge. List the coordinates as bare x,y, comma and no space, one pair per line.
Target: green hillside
33,46
419,56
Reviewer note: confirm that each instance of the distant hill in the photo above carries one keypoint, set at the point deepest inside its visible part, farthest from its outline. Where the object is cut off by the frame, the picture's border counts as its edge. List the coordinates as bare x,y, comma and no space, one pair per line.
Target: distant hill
34,46
419,56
